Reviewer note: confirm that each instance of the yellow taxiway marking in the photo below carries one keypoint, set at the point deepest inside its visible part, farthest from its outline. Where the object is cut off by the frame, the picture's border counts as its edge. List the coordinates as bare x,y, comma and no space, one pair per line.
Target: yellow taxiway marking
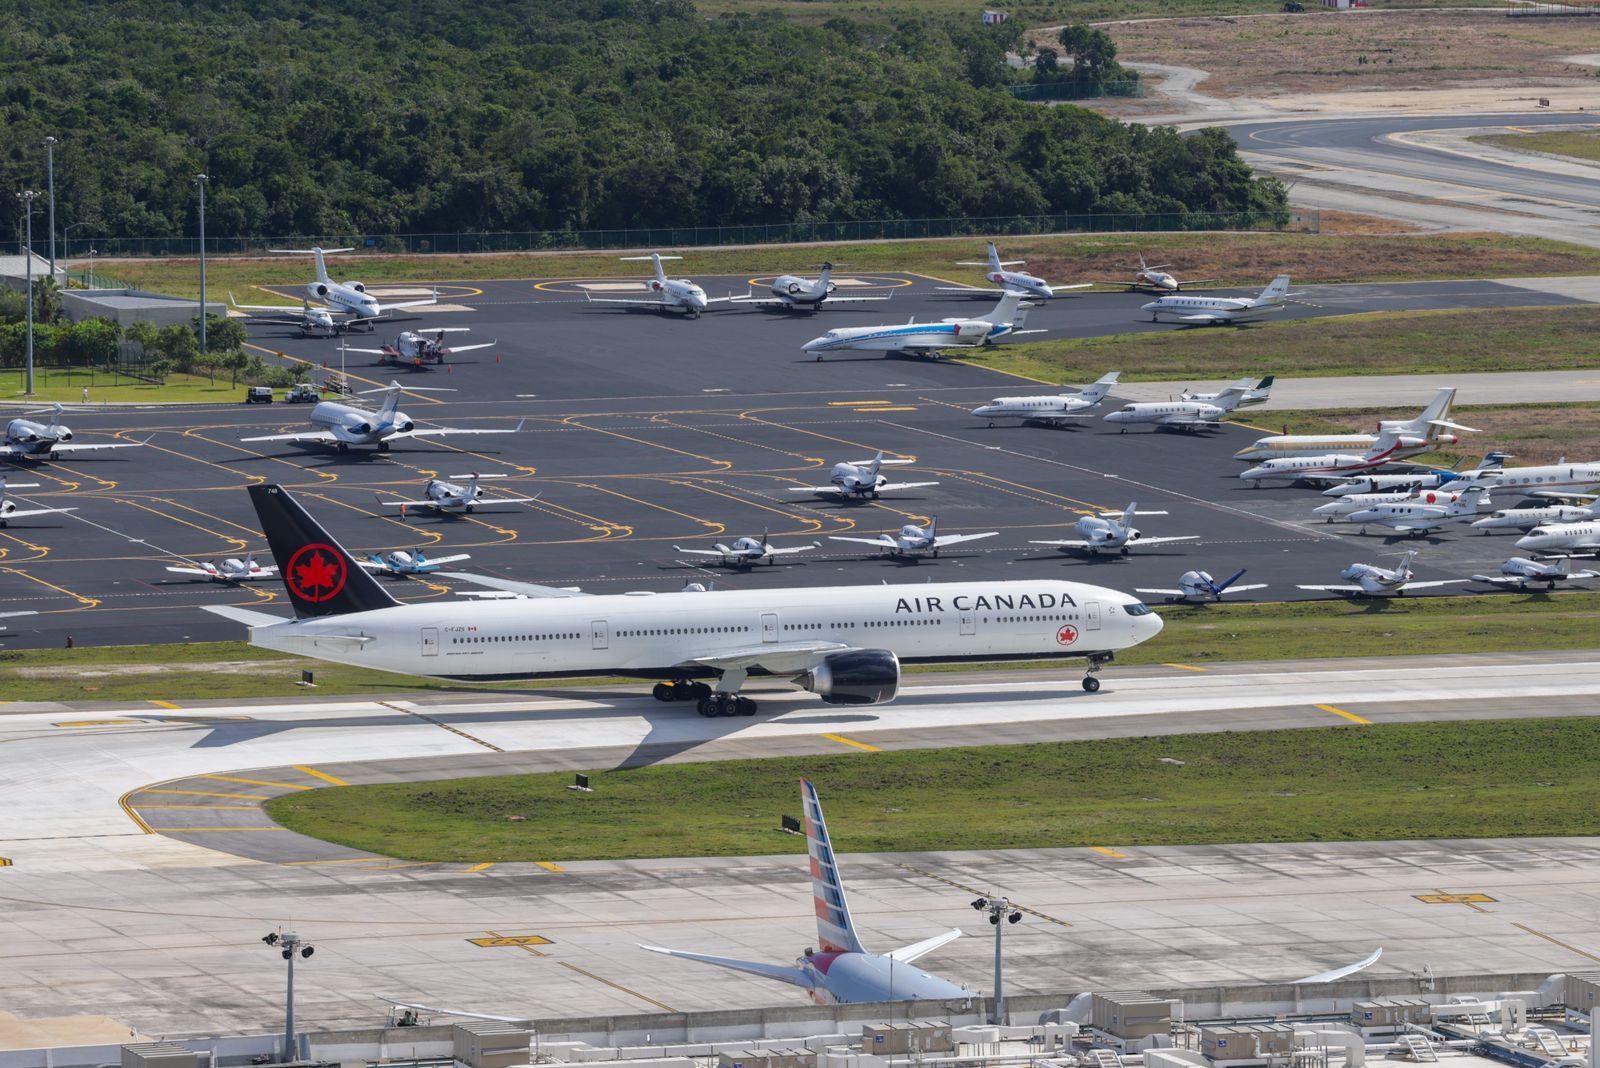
617,986
910,409
87,602
503,941
1105,851
204,793
235,807
163,704
842,740
331,780
97,723
549,865
127,810
1555,941
5,862
1520,129
1472,901
480,867
259,782
855,403
212,830
1186,667
1351,716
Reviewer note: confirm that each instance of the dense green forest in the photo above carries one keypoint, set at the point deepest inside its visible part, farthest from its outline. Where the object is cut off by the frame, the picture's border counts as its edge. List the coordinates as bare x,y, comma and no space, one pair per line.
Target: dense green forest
390,116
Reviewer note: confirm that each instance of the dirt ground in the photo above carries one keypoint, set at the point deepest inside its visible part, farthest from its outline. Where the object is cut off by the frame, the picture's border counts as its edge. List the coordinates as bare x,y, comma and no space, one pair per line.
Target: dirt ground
1365,50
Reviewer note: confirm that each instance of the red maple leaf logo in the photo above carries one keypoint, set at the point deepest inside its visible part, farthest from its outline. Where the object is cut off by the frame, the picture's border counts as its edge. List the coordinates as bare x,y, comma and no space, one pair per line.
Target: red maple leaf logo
316,573
1067,634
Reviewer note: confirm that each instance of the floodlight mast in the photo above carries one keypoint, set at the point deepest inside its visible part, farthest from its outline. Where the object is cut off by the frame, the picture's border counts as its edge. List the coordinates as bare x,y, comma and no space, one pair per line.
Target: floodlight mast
998,908
292,946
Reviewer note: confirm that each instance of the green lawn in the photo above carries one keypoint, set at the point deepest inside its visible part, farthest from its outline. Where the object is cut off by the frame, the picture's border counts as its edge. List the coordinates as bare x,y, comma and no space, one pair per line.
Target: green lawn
1423,780
66,386
1301,630
1410,342
1579,144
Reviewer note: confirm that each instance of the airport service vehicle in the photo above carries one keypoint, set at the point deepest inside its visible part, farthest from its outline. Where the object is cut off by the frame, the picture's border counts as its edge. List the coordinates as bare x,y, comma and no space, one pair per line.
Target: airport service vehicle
302,393
1424,479
1221,311
839,970
343,425
1576,539
417,348
27,439
1418,515
402,562
746,552
258,395
1179,414
1520,573
443,495
232,570
1049,408
1256,391
929,339
1153,278
792,292
912,541
1370,580
843,643
1559,481
1528,518
1111,532
1198,587
666,294
1416,436
855,480
9,509
309,322
1007,281
348,300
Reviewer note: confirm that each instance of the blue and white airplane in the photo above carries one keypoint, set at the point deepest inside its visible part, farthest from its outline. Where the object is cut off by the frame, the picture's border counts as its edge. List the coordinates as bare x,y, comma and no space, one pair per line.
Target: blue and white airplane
929,338
401,562
839,970
1198,587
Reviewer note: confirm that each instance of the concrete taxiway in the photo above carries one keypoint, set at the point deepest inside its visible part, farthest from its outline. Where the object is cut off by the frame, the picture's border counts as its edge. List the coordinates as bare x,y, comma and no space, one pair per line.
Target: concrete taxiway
160,930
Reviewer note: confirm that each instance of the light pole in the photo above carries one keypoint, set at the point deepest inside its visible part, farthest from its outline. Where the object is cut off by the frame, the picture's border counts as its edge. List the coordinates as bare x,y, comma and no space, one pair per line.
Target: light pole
201,180
998,908
28,196
292,946
50,170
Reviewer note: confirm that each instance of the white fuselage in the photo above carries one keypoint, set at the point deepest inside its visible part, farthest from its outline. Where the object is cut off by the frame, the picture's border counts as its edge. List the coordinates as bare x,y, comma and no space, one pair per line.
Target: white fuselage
1556,537
663,633
1229,309
1528,518
1167,413
37,438
801,292
1574,477
1378,581
679,293
1357,502
948,334
1282,445
351,299
1033,409
1021,282
357,426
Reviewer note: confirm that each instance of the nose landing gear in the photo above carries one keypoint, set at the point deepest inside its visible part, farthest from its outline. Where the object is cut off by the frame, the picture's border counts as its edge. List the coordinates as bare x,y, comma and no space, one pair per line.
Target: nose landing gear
1090,683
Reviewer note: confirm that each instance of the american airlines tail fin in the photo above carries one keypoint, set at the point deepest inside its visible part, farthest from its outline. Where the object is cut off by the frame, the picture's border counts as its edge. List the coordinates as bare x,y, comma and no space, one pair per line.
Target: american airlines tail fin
1277,290
322,579
1097,390
836,932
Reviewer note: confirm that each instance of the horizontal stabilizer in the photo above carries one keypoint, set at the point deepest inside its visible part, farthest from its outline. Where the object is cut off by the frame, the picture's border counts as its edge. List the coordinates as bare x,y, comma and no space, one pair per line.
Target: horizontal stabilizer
527,589
782,973
907,954
1340,973
248,616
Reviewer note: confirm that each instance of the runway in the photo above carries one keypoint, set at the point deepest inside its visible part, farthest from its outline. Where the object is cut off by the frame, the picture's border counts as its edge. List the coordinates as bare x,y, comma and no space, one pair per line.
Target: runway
645,431
161,930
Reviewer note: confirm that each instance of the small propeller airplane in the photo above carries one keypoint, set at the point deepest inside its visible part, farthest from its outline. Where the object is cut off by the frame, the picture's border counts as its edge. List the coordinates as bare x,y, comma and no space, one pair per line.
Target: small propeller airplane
1519,573
746,552
1006,281
30,440
446,496
416,348
791,292
232,570
1112,532
912,540
311,322
9,509
860,479
1198,587
1153,278
401,562
1370,580
666,294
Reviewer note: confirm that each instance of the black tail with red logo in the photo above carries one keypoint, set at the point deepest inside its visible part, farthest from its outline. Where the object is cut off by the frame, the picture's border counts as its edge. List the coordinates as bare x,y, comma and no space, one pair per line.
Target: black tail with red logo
322,579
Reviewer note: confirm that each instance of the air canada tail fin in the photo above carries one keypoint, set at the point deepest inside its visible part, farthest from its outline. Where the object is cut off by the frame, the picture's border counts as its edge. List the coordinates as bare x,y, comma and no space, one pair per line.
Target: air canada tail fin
836,932
322,579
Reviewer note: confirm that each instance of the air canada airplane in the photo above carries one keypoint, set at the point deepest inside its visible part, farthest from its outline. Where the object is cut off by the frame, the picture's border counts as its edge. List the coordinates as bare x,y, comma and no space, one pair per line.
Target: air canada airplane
845,644
839,970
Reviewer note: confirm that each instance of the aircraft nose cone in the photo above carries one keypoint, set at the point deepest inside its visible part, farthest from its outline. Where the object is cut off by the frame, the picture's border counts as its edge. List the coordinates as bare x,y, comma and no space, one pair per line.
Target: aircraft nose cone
814,345
1487,521
1326,509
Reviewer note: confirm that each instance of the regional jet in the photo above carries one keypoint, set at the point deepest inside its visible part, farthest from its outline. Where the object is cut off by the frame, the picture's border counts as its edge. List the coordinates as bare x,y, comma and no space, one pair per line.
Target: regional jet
1370,580
1416,435
415,347
1219,311
344,298
1051,408
790,291
1528,518
9,509
1006,281
1519,573
343,425
29,440
843,643
859,479
1256,391
1111,532
401,562
232,570
746,552
1572,539
928,339
443,496
666,294
839,970
309,321
1198,587
1153,278
1177,415
912,540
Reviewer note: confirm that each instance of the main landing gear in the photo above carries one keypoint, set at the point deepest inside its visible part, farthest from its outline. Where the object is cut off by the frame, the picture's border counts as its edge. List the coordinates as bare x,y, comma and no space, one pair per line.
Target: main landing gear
1090,683
708,702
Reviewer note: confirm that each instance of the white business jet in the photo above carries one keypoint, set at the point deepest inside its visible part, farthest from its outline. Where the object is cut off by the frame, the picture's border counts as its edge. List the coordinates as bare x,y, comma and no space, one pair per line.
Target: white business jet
912,540
1111,532
1418,515
1220,311
1576,539
9,509
442,495
1256,391
1179,414
1528,518
1006,281
309,321
791,291
1153,278
666,294
341,298
29,440
343,425
1417,435
1370,580
1519,573
913,338
1049,408
416,347
859,479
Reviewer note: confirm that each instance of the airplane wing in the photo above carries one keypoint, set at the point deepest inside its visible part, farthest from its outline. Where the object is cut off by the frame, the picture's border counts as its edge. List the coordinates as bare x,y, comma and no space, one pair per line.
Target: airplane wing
454,349
13,615
444,431
1019,333
1195,281
309,435
370,565
882,541
1340,973
816,489
93,446
769,302
697,552
782,973
505,500
527,589
1508,581
1202,318
1181,418
1169,593
408,504
191,571
1561,495
793,549
904,485
619,300
1242,589
443,1011
1066,544
35,511
1162,541
441,560
907,954
375,352
780,658
852,300
1434,582
976,291
956,539
1332,589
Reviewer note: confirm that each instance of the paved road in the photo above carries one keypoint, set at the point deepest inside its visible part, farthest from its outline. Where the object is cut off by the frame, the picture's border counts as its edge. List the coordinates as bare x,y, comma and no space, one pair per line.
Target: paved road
162,932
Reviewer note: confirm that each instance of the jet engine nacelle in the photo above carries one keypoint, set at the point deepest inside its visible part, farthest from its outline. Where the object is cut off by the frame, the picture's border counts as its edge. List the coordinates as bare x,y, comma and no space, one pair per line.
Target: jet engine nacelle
357,286
403,423
63,434
971,328
795,289
320,290
358,426
855,677
27,437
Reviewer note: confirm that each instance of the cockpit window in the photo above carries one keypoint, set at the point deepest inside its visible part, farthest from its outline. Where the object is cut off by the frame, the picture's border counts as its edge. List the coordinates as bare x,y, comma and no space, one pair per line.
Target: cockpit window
1137,608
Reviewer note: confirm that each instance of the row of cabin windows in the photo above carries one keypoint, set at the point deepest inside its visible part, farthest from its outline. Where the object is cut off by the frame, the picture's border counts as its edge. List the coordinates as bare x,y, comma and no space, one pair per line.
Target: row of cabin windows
936,621
659,632
483,639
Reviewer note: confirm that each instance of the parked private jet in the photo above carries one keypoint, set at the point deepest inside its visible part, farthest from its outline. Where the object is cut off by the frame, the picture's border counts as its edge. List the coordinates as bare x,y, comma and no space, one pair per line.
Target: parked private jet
349,299
859,479
1007,281
1370,580
1049,408
1153,278
445,496
1177,415
928,339
912,541
309,321
1221,311
1528,518
1520,573
1111,532
343,425
9,509
30,440
1256,391
415,347
1416,435
790,291
666,294
1575,539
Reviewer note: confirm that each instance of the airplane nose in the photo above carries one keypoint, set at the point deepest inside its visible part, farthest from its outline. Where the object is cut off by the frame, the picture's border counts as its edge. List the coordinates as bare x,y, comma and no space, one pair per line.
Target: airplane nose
1529,541
814,345
1252,473
1326,509
1486,521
